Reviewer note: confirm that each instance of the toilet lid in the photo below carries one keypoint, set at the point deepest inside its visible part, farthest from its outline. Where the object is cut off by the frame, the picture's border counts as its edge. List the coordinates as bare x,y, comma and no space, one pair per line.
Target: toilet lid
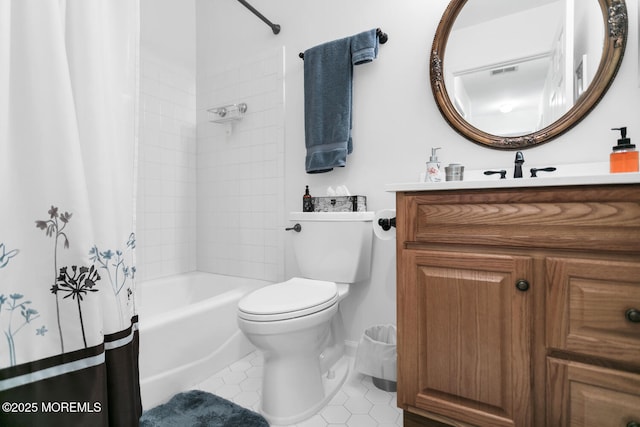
287,300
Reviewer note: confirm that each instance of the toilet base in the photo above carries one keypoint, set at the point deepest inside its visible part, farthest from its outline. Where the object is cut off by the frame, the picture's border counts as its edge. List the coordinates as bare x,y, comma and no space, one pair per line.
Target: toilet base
331,381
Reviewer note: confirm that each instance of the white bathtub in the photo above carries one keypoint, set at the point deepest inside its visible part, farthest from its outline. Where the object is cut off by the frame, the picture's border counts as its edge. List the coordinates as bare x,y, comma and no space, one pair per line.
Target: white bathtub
188,330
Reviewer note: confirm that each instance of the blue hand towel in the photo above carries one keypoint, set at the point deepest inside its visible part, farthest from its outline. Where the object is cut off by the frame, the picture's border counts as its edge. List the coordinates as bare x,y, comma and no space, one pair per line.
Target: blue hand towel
328,71
364,47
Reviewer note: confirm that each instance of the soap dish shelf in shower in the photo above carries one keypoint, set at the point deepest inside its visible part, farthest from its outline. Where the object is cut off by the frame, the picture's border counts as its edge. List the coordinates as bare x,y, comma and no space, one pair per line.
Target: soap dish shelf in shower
227,113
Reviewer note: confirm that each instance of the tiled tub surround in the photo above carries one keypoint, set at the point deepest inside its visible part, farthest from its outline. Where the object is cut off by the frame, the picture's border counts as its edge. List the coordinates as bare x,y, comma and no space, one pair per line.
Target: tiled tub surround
240,177
166,203
230,188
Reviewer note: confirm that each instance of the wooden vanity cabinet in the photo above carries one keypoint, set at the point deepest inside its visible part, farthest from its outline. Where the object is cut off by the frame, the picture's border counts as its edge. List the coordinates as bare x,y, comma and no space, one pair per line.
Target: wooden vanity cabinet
516,306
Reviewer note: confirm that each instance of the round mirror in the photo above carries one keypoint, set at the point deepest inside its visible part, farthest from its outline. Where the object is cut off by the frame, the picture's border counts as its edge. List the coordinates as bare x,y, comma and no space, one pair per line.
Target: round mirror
512,74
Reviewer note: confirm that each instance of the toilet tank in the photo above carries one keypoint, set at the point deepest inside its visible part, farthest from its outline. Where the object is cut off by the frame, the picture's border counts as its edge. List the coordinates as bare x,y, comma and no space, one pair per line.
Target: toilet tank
333,246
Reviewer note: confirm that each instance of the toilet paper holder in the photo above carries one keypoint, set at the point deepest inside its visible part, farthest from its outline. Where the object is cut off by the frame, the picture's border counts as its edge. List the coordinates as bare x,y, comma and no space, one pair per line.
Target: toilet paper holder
387,223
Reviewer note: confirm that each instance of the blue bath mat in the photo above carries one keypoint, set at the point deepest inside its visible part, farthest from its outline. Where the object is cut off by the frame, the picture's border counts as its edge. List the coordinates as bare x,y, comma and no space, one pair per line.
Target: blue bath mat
197,408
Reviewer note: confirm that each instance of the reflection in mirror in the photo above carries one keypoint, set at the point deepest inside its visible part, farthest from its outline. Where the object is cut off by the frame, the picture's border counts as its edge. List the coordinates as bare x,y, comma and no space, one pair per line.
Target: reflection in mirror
536,75
517,73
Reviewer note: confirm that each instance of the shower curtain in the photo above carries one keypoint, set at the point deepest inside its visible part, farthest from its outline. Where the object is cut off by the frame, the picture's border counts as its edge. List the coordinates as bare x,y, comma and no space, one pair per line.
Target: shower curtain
68,95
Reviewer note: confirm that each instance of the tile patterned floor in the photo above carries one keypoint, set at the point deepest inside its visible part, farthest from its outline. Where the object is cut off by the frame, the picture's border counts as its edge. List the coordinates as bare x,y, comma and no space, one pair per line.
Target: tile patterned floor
358,403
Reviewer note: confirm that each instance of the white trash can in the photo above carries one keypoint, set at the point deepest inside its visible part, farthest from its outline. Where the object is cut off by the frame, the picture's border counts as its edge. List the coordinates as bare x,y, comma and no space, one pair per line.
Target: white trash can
377,356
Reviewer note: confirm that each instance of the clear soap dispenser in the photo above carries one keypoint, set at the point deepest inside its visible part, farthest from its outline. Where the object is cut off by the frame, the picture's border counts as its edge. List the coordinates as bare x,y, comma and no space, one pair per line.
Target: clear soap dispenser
434,170
624,157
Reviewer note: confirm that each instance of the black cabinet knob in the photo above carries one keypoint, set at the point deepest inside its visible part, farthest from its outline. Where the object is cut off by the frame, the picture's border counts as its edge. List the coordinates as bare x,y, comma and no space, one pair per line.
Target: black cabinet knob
633,315
522,285
633,424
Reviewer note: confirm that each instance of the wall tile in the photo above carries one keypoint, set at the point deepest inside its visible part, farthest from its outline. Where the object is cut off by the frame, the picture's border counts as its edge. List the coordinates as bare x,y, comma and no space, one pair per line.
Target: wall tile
239,182
166,218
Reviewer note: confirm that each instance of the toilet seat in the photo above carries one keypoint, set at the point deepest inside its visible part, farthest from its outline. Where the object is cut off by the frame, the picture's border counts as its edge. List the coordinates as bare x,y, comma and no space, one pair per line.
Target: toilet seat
296,297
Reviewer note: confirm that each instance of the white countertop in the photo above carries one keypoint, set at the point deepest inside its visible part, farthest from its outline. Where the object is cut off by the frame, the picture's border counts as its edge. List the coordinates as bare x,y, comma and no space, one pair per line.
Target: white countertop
477,180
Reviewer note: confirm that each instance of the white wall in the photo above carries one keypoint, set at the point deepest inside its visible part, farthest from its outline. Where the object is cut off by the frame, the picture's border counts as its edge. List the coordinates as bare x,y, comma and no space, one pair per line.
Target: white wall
167,32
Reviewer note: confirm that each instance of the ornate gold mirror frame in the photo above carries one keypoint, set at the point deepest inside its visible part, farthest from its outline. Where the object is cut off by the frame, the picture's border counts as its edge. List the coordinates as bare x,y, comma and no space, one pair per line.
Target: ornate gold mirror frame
614,14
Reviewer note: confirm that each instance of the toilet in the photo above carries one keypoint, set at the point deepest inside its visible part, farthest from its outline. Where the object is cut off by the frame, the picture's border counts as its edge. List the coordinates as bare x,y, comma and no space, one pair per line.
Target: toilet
297,324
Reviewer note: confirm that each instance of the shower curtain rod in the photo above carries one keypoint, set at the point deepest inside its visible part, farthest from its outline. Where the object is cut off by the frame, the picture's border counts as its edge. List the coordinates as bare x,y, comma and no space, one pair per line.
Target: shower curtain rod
274,27
382,38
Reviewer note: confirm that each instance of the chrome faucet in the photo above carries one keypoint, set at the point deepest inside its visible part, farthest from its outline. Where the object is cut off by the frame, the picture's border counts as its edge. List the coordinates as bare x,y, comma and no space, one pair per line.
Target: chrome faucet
517,171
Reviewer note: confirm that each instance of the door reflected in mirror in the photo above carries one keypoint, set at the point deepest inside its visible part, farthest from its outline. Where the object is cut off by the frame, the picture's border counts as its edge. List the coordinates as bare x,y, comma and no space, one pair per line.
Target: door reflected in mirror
510,74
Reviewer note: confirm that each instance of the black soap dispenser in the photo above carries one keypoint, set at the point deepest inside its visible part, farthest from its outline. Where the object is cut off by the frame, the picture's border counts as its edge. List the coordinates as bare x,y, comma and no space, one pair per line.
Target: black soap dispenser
624,157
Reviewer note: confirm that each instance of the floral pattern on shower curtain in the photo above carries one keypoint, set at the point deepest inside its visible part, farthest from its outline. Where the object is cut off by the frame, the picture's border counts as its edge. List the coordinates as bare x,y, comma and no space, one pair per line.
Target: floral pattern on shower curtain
68,137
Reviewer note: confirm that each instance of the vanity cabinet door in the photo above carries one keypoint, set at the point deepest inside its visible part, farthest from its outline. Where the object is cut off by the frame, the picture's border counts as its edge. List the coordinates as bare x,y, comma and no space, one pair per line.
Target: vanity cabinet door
465,334
582,395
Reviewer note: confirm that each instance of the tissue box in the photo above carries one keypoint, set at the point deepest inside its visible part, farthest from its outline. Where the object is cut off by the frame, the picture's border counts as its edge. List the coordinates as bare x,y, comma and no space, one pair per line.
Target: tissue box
339,204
